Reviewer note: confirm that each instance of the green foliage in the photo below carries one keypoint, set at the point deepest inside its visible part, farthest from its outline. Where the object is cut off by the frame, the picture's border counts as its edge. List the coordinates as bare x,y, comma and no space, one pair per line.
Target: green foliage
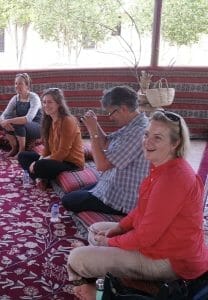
18,12
142,13
4,13
75,21
184,21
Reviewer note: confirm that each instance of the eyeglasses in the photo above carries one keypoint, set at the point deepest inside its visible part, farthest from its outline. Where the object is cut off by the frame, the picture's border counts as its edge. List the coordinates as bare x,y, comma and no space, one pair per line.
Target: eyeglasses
113,112
173,117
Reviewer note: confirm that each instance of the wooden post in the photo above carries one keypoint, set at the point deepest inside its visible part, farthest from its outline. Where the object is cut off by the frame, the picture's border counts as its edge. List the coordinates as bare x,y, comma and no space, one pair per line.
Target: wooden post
156,33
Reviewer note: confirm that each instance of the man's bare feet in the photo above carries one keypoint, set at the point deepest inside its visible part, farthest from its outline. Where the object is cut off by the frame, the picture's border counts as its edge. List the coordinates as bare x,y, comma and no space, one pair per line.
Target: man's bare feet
85,291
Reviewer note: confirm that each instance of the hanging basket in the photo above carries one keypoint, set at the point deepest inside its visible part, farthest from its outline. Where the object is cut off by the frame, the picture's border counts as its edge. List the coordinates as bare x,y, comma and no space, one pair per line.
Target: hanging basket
161,94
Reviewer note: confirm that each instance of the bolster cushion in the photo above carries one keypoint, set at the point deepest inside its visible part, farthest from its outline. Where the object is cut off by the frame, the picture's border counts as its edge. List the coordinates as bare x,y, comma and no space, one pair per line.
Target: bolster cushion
71,181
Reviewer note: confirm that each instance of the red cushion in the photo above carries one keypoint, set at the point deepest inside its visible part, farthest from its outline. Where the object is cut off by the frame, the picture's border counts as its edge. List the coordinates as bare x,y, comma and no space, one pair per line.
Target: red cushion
71,181
87,218
87,150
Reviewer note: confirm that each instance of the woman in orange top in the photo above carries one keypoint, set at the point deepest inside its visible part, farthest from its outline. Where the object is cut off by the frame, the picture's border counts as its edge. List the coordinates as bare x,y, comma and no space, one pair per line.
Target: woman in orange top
162,238
63,149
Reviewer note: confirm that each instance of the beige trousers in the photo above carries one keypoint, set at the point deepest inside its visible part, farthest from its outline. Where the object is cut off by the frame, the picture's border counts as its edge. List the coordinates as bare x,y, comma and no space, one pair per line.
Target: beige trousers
95,261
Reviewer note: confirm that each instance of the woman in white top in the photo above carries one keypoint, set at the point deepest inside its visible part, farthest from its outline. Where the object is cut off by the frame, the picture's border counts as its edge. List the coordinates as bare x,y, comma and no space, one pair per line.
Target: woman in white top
22,116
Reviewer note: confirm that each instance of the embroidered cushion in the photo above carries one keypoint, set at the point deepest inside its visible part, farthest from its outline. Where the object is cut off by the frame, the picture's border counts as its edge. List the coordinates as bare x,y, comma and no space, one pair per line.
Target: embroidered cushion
71,181
87,218
87,150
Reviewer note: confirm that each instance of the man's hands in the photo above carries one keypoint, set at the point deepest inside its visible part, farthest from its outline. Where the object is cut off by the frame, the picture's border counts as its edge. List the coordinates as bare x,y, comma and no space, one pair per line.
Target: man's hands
90,121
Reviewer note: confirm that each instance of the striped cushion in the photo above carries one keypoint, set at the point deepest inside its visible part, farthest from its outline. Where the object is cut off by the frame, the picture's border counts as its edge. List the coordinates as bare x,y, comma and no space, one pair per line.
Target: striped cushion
71,181
87,218
87,150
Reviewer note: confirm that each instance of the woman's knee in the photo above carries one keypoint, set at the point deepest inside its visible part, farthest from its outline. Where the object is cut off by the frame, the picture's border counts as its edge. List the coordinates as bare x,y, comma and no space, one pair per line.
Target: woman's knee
77,259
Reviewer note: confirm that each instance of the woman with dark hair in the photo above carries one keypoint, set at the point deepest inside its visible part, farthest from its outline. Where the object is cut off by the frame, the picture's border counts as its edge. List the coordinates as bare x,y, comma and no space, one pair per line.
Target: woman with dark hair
21,118
63,150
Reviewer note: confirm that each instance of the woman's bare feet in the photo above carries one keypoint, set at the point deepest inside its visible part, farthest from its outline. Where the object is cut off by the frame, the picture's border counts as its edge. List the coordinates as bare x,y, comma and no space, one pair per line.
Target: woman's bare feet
12,152
85,291
77,243
41,184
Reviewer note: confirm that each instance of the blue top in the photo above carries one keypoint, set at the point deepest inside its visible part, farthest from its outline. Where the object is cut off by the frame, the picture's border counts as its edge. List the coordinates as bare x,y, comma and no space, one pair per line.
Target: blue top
17,108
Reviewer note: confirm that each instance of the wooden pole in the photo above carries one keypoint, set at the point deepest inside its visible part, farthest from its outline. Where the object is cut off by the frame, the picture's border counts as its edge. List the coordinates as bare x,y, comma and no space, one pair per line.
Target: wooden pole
156,33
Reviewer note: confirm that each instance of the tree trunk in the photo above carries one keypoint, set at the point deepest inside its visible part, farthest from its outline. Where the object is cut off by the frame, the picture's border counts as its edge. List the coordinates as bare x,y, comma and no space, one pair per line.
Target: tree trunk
25,29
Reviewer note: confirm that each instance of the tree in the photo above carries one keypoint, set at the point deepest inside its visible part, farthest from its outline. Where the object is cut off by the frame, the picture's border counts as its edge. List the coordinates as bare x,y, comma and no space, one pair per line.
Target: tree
72,23
17,15
183,21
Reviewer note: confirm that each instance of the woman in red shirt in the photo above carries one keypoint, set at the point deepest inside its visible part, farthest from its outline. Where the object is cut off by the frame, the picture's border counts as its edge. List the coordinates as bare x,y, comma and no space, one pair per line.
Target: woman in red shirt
162,238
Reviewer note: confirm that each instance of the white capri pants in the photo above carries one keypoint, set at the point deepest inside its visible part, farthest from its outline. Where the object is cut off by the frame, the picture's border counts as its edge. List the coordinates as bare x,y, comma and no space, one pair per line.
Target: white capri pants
95,261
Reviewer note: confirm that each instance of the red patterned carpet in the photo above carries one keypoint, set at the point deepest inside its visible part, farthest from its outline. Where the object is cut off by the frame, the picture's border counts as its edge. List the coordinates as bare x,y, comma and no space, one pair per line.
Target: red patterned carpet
33,251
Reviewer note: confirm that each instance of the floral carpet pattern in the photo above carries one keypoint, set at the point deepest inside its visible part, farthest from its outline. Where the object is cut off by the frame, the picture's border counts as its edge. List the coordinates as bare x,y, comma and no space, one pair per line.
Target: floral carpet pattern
33,251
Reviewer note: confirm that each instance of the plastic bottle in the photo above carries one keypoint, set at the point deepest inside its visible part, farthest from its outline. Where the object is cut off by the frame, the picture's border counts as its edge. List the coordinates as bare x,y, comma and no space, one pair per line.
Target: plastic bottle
25,179
99,288
55,213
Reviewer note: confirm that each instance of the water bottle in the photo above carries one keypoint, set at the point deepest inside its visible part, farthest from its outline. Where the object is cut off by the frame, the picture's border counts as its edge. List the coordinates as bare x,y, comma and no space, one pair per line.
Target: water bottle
99,288
25,179
55,213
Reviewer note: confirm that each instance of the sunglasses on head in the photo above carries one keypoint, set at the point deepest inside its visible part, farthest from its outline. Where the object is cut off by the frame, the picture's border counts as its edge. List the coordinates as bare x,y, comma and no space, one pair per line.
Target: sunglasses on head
173,117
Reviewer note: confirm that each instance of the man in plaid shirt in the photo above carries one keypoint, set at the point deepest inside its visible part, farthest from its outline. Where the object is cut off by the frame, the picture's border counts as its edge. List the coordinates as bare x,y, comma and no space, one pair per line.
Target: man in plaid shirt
118,155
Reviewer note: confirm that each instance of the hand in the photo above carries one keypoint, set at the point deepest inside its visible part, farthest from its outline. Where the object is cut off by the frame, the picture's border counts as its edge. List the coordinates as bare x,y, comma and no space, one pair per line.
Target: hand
114,231
101,239
7,125
90,121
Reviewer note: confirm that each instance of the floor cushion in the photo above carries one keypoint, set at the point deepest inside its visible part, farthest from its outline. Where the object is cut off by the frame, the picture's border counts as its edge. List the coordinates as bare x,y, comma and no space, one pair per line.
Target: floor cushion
71,181
86,218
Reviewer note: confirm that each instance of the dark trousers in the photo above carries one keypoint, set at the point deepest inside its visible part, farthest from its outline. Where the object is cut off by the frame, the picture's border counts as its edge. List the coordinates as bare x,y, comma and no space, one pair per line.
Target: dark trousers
83,200
44,168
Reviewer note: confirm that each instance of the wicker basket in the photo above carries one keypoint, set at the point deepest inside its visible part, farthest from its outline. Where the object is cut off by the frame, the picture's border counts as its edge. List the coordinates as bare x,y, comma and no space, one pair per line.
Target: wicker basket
160,96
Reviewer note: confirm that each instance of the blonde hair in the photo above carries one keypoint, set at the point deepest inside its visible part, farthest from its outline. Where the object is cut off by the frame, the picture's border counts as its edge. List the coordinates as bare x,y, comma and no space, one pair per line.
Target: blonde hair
179,131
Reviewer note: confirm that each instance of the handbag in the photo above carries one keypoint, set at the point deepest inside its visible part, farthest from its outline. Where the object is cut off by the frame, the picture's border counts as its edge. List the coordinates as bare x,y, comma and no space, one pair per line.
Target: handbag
161,94
196,289
115,290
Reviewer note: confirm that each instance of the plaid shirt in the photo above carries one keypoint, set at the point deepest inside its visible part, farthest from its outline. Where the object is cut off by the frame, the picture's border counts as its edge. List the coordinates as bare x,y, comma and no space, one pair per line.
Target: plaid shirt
118,187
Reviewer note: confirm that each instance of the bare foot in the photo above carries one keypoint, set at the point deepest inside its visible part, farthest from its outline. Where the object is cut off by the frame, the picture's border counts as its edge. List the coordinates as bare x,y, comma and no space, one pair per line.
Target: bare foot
12,152
76,244
41,184
85,292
